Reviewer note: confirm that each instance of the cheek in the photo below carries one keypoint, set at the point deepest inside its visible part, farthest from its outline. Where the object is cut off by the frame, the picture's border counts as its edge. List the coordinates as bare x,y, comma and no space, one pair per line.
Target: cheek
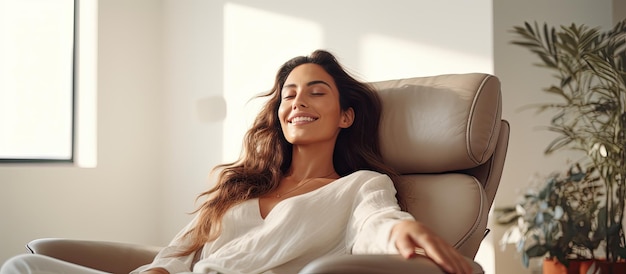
282,113
331,109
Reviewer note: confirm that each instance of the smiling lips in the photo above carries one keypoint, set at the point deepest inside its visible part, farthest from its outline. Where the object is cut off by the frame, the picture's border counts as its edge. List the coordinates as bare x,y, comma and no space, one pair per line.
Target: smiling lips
301,120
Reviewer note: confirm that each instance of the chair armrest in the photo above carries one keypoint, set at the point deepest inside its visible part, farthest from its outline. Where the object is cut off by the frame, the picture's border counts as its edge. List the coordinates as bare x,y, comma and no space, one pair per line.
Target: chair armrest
377,264
105,256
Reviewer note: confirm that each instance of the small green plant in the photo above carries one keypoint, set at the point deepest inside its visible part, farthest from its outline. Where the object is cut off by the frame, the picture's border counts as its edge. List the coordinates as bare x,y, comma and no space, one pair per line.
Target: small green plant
556,217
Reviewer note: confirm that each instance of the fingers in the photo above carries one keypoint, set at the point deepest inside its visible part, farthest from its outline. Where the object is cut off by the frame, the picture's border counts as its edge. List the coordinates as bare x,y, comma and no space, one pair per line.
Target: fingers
446,256
412,236
439,252
406,247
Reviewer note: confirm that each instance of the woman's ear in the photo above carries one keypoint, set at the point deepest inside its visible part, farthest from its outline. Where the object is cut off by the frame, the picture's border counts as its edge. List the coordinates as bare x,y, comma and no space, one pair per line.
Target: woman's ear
347,118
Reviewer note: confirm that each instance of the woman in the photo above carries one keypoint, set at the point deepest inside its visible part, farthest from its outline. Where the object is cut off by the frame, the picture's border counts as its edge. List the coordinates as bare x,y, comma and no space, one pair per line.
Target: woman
310,183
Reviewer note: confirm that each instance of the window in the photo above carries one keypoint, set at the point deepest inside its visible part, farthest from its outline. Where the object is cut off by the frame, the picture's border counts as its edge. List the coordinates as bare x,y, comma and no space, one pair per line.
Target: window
37,43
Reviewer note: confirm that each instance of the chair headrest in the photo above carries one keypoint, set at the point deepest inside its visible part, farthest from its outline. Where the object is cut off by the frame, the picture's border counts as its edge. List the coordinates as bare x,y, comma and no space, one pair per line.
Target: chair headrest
439,123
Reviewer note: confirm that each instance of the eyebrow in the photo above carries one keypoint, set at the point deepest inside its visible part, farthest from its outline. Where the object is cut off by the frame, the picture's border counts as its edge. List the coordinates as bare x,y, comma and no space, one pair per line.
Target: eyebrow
315,82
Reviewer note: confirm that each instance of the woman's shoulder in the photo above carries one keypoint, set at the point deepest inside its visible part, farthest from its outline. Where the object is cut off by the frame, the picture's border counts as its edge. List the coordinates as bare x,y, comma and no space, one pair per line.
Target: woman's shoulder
362,178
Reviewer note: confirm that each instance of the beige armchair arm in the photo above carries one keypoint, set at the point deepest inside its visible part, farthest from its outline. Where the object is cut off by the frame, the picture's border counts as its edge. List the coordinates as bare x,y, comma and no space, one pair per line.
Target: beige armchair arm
377,264
105,256
122,258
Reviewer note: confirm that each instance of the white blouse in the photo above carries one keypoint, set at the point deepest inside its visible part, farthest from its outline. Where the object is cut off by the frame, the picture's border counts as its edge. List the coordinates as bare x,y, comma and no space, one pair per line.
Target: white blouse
353,214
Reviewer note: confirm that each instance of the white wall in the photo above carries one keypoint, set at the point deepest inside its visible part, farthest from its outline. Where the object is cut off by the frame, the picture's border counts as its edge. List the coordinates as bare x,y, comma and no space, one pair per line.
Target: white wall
522,85
192,55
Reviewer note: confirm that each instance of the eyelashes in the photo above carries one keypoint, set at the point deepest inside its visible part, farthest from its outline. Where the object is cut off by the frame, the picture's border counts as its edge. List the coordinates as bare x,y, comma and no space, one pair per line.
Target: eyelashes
316,94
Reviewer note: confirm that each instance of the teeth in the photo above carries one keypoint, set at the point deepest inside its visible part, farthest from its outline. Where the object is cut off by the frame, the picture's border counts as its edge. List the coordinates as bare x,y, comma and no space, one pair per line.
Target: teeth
302,119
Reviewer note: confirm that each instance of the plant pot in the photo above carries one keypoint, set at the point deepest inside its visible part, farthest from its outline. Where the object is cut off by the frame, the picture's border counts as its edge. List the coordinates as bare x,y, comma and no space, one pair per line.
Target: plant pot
553,266
604,267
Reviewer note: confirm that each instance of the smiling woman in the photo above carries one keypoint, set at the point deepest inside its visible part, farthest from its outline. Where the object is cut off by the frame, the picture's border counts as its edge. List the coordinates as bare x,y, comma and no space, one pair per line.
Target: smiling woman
36,80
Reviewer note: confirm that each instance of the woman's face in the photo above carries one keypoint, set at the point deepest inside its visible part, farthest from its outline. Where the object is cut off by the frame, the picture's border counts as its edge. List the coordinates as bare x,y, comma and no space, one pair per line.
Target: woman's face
309,110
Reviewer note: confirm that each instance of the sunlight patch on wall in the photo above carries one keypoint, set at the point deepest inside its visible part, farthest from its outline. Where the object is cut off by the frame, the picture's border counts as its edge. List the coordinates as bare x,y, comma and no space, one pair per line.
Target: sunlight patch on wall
86,154
385,57
256,43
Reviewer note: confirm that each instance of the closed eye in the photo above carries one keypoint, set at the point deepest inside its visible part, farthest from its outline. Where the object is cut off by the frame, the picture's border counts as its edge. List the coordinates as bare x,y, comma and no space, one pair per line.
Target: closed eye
318,91
289,94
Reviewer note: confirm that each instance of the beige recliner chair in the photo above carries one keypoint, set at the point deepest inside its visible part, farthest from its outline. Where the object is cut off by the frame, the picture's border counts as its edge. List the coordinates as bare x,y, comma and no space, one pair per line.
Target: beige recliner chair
444,134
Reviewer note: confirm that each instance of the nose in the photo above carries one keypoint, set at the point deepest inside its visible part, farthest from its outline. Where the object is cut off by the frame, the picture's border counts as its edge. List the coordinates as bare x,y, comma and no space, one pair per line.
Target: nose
299,102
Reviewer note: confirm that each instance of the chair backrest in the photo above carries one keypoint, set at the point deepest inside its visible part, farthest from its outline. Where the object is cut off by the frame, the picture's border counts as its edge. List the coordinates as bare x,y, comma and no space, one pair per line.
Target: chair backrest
445,136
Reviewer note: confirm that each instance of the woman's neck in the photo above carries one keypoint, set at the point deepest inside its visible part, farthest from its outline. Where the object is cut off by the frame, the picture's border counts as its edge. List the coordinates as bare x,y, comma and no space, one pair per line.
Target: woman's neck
312,162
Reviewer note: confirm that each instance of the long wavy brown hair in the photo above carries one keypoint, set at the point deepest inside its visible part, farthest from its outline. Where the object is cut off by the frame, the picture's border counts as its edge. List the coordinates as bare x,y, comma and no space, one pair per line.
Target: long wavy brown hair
266,154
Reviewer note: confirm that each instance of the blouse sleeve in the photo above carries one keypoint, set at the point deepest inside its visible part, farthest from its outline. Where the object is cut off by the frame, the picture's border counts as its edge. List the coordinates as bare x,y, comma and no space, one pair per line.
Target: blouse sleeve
375,213
166,258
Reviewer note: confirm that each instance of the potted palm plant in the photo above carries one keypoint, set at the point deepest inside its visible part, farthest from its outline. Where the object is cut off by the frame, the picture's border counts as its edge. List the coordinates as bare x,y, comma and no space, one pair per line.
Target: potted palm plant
590,70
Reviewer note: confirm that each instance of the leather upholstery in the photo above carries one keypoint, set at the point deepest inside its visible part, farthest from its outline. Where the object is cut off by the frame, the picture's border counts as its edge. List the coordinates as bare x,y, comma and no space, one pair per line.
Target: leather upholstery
105,256
433,129
445,136
376,264
439,123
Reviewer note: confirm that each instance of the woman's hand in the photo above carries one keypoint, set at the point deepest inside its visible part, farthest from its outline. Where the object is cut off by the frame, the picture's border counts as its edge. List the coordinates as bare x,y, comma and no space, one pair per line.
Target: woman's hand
410,235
